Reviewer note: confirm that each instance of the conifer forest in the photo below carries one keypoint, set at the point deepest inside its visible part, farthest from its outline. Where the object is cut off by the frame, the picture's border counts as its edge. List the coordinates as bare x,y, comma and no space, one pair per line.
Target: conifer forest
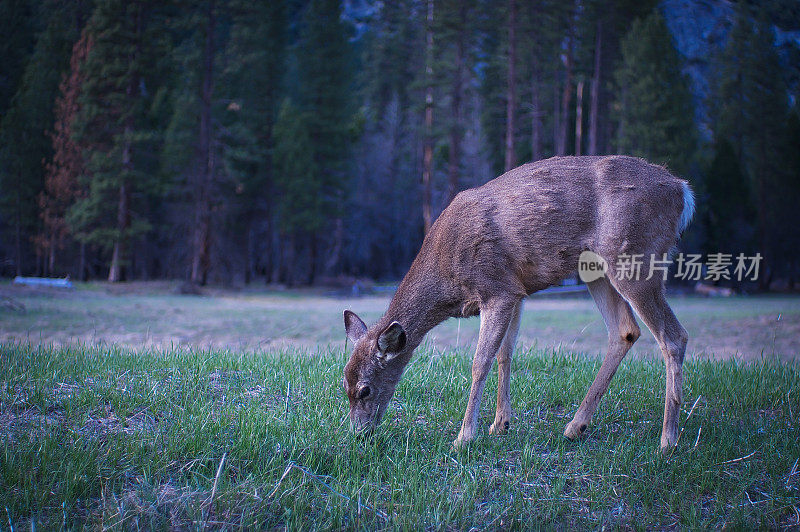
303,142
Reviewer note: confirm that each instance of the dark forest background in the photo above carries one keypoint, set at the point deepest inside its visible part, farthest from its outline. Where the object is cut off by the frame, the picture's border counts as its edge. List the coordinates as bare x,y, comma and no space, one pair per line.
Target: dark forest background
306,141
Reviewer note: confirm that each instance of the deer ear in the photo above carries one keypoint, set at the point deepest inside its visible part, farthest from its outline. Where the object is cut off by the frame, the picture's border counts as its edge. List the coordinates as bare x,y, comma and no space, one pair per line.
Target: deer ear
392,340
354,327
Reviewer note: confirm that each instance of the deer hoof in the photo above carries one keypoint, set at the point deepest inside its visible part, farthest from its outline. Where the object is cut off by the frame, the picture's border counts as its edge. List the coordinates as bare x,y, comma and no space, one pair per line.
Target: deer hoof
575,430
667,445
461,442
499,427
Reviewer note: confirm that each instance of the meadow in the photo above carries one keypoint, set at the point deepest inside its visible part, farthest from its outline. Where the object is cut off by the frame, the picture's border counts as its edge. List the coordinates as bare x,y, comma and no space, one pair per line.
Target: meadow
154,315
120,433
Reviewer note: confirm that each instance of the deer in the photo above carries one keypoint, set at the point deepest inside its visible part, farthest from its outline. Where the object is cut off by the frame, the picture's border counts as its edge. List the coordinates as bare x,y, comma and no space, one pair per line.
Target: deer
519,233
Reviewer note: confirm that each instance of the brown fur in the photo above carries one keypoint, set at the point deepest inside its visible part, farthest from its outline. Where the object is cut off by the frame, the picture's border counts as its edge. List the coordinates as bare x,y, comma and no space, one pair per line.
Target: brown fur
515,235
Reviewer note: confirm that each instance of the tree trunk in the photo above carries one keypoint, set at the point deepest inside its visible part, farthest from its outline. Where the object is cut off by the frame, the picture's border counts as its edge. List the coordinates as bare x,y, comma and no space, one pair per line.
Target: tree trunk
566,94
335,253
276,250
511,86
51,256
288,266
427,149
312,259
455,108
202,239
556,118
115,272
594,104
761,207
536,115
248,249
18,223
205,159
82,263
620,133
579,118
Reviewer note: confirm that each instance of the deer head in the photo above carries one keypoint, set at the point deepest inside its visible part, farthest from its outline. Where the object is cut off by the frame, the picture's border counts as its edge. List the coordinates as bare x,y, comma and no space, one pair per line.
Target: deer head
373,371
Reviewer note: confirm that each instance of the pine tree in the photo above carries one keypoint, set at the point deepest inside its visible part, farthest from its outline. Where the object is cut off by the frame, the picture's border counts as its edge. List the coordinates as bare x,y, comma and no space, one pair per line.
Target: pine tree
786,227
206,158
393,50
726,203
298,177
654,107
494,36
24,140
454,63
230,63
112,126
750,108
510,159
428,139
17,23
540,61
299,181
615,19
324,61
253,82
564,109
544,67
61,186
386,160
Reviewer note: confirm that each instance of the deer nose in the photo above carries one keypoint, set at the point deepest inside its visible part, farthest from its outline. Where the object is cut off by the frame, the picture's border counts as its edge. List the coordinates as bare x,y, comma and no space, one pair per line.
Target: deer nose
362,429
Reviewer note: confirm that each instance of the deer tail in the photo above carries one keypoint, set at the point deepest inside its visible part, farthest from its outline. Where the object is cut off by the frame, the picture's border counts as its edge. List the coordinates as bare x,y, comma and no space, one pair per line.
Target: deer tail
688,207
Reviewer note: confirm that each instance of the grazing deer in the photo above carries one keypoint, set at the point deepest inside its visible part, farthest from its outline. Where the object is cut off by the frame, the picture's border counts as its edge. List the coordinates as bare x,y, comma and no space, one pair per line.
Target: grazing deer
517,234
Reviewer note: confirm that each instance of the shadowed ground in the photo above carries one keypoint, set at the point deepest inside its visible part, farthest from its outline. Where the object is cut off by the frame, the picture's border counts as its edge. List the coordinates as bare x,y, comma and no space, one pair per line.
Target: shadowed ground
153,315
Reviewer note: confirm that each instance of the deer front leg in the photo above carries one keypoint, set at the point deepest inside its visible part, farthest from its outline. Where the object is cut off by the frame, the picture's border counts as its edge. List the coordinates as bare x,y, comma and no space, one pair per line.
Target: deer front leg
502,417
495,318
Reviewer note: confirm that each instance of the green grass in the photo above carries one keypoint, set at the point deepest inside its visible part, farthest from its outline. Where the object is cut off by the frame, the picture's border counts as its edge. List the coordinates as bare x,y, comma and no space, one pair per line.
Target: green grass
107,437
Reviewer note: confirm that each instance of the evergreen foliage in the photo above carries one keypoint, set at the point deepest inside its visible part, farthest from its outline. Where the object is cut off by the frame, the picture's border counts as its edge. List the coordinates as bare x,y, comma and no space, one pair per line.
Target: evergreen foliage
324,61
61,186
113,128
298,177
300,140
17,26
727,207
751,111
654,106
24,130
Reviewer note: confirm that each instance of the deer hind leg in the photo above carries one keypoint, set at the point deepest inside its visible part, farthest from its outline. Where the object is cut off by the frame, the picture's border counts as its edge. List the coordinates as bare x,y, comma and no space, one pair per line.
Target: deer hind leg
495,318
502,417
651,305
622,333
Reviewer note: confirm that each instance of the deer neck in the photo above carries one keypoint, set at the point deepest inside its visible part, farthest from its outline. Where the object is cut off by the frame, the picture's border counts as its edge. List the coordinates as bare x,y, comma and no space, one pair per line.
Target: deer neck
418,305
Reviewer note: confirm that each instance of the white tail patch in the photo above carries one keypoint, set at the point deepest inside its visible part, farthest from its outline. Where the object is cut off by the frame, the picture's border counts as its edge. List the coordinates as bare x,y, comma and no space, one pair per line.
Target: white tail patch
688,208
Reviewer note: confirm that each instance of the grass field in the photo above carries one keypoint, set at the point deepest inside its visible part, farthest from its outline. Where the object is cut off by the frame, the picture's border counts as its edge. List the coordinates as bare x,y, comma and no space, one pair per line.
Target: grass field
107,437
148,315
135,408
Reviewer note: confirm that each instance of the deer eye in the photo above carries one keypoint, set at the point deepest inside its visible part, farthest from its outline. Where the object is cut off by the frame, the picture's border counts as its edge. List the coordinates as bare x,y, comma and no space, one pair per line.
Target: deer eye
363,392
